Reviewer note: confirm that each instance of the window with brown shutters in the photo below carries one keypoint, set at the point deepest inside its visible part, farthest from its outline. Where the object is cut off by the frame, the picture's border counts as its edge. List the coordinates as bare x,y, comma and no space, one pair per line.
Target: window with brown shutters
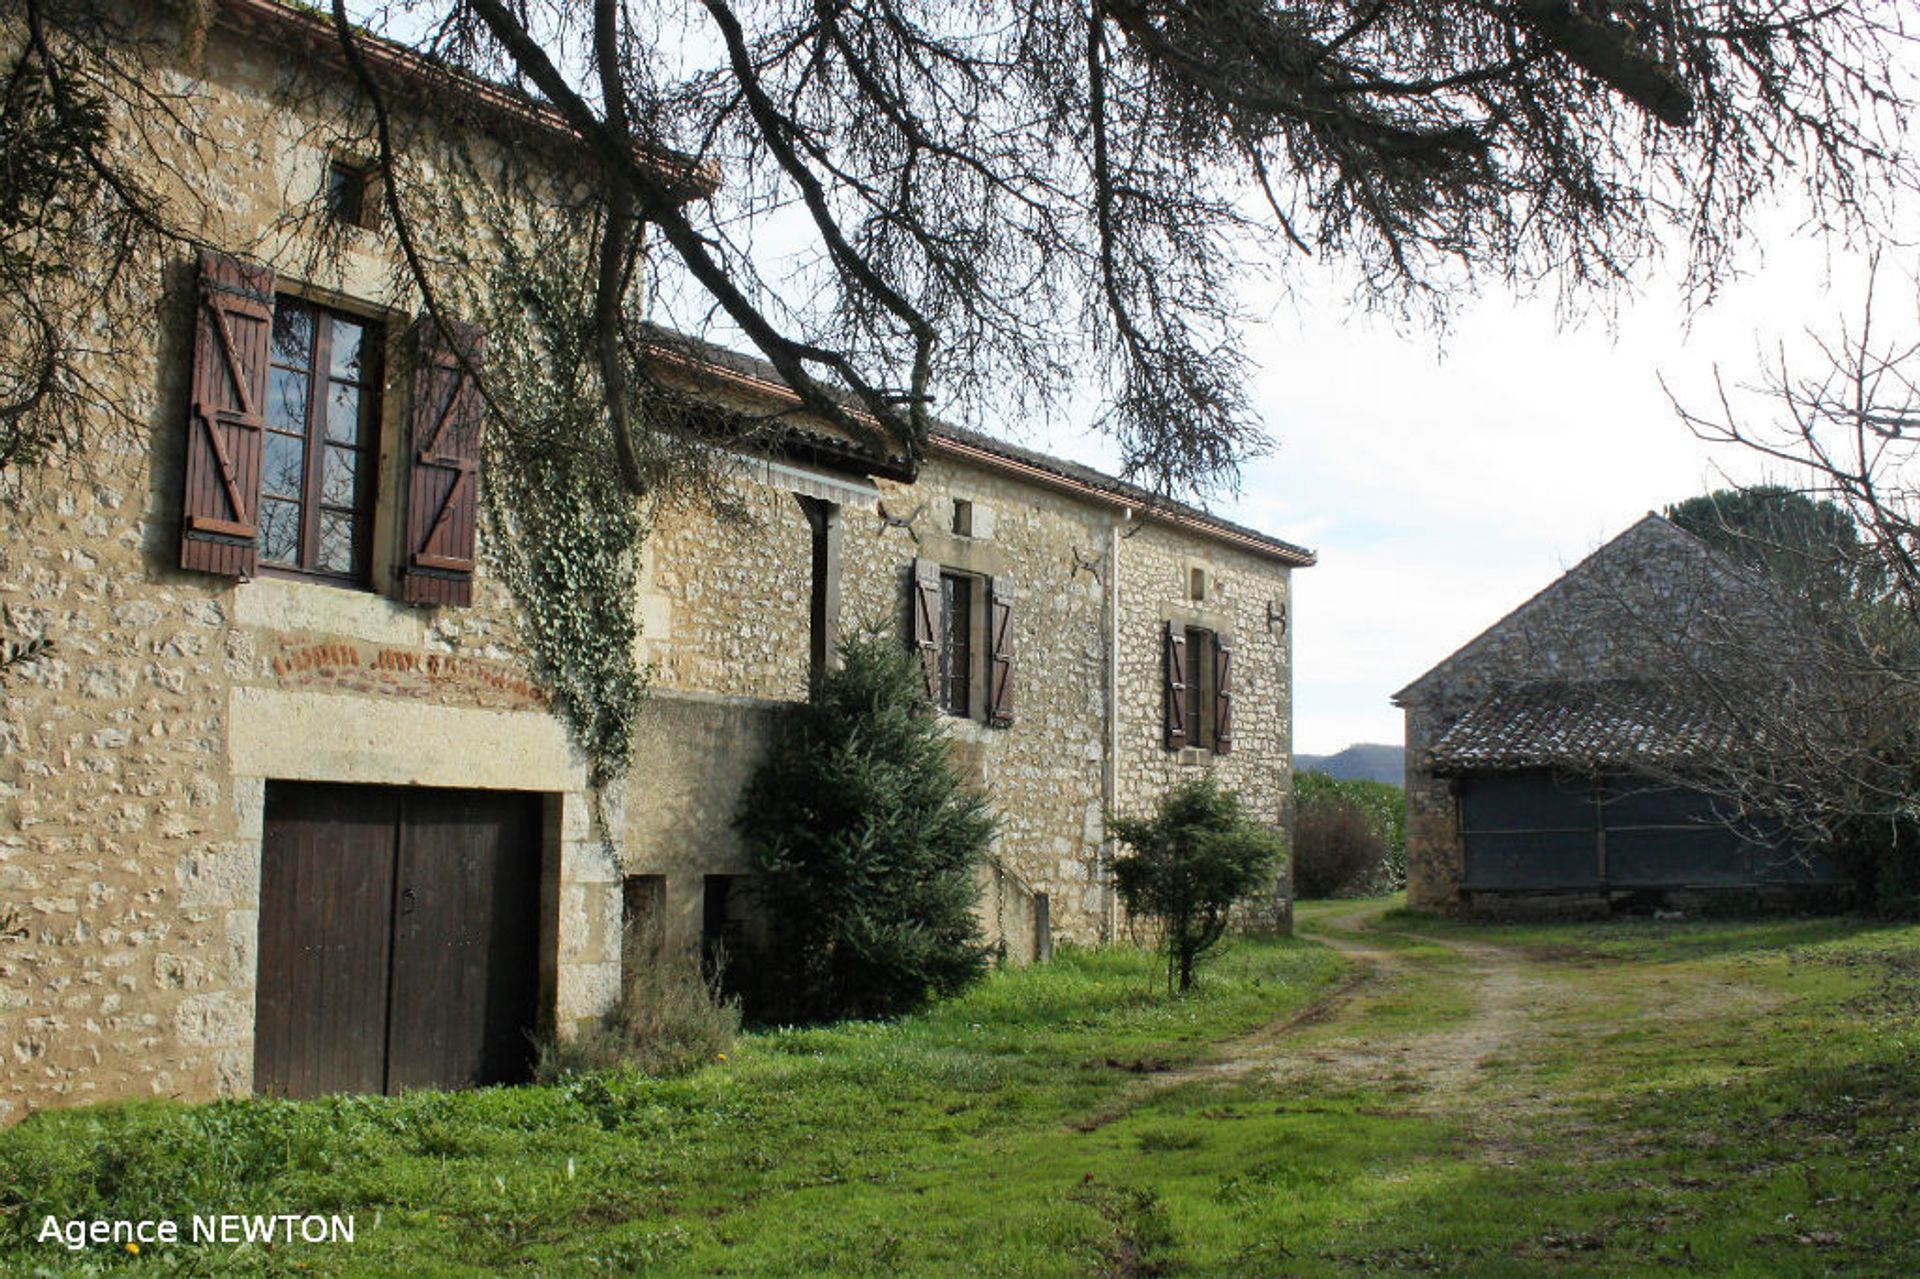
444,421
924,623
1000,652
282,448
226,406
1173,681
960,626
1197,683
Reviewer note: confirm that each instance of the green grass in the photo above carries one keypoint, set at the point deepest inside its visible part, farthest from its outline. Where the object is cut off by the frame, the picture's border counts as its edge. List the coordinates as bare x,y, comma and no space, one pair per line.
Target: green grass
862,1147
1642,1096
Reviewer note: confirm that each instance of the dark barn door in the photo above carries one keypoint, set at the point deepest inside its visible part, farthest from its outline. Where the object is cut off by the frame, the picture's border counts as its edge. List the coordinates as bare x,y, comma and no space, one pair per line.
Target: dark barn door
1540,831
1529,831
326,909
399,936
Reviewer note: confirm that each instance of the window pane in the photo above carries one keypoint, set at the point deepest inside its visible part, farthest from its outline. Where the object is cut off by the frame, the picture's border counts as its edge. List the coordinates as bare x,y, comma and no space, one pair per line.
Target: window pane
292,333
336,543
284,465
347,340
287,401
337,480
347,193
279,531
343,413
956,644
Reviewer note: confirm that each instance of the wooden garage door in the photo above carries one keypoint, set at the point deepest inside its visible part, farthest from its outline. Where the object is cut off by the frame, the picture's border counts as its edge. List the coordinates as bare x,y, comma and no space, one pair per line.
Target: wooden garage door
399,938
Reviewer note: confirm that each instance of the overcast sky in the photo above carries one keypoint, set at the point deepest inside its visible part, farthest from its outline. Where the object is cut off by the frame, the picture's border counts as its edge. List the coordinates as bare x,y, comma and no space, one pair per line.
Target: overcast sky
1445,478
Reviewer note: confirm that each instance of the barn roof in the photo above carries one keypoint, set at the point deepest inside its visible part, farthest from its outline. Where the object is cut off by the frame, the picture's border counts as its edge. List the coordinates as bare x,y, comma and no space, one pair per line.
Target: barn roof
1598,724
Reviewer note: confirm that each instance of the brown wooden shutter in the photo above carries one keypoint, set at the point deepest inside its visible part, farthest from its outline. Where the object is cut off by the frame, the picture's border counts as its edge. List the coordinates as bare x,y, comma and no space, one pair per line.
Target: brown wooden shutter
1174,682
1000,652
1222,694
443,488
226,414
923,603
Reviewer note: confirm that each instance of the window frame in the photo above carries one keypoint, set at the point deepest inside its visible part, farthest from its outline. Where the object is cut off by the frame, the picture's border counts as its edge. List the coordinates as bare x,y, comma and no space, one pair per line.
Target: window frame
1203,648
968,636
348,192
312,503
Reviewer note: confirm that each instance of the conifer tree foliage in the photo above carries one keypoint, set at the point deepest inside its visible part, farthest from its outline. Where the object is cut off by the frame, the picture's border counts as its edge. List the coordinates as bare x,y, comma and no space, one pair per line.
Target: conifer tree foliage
864,846
1188,864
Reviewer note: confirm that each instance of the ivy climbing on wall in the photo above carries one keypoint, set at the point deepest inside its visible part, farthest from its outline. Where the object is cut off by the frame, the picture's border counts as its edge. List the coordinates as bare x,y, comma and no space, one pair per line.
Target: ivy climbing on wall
565,532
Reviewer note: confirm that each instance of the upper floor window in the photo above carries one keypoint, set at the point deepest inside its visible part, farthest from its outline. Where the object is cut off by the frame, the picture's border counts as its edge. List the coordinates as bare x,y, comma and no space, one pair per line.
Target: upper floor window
1197,688
319,456
281,440
349,193
961,627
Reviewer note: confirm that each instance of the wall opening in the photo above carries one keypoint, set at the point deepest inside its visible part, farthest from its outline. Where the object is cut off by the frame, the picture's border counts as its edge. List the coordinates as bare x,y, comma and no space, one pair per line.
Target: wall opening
823,613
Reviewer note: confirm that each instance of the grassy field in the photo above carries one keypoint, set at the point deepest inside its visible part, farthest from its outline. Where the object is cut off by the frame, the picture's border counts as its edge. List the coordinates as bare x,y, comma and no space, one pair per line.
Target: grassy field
1621,1098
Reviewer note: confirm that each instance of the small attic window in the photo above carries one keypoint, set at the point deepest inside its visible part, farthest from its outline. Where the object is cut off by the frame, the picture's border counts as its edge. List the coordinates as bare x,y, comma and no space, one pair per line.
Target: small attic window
1197,584
962,517
347,193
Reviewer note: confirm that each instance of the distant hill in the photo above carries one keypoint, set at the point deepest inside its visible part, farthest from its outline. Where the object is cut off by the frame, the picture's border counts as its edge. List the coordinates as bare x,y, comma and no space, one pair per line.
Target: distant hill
1375,761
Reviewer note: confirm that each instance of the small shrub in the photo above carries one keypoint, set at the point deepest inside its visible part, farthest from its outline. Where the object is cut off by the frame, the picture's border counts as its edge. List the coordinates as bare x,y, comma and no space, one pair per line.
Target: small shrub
1188,864
672,1017
1337,848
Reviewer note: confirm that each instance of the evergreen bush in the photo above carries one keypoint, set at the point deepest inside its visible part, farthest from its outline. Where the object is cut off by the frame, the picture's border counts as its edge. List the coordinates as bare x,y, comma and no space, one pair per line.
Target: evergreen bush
865,848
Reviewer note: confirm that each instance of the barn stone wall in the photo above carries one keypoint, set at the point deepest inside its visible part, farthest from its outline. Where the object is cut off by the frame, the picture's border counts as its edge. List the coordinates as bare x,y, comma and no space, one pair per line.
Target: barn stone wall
1646,599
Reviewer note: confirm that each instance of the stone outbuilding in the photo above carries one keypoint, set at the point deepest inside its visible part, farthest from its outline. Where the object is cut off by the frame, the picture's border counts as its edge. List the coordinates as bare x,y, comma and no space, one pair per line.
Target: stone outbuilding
285,808
1548,759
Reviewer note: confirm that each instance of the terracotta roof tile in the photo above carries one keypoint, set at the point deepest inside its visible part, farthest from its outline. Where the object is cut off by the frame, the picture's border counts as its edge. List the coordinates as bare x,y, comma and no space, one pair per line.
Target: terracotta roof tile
1605,723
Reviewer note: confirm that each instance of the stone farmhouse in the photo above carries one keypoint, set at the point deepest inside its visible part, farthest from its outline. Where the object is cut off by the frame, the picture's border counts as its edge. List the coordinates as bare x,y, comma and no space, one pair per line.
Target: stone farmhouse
1548,759
284,810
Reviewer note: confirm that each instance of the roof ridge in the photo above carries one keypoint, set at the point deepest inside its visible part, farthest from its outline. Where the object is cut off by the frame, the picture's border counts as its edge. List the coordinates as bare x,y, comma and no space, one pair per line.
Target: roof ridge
962,441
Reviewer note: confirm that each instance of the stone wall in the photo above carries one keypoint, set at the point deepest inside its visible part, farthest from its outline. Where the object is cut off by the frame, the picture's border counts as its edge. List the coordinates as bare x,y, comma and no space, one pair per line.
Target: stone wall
131,800
1434,852
1246,599
137,754
725,600
1043,772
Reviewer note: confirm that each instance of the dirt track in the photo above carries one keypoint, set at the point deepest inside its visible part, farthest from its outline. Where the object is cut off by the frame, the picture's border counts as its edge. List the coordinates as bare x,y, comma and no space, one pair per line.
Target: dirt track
1435,1066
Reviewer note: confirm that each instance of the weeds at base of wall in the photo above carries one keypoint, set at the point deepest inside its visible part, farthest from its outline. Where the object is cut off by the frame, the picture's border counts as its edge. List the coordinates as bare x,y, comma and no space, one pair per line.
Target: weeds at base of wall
672,1017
